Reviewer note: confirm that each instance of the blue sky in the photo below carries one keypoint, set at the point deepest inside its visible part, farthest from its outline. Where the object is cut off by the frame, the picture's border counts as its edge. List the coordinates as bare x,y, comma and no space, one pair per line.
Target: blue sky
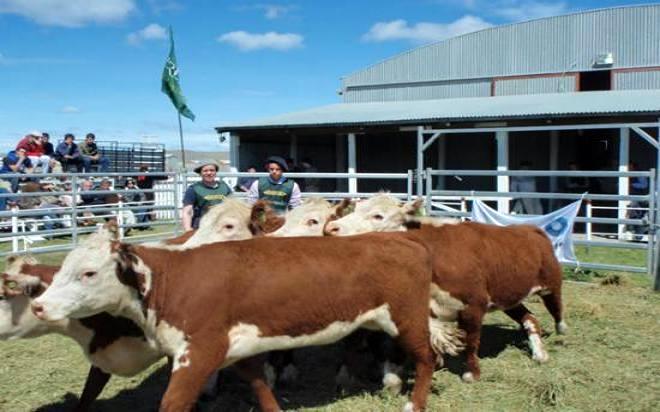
95,65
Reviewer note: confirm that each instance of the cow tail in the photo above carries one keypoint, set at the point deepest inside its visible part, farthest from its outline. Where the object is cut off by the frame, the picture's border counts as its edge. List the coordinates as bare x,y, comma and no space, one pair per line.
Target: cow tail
446,337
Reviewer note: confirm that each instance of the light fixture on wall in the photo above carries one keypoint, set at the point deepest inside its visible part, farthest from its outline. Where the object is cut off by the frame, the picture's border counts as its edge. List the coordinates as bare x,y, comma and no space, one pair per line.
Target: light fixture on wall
603,60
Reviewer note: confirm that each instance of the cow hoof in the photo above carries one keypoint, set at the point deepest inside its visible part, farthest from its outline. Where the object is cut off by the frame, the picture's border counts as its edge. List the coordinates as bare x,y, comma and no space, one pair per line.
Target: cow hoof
289,374
409,407
541,357
468,377
562,328
392,383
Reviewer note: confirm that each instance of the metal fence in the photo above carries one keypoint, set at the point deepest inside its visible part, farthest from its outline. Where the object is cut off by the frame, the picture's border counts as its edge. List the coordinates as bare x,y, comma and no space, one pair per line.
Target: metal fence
626,231
29,229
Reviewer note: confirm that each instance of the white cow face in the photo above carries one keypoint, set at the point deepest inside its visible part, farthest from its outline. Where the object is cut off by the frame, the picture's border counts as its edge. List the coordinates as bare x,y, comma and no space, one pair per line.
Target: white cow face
86,284
307,219
229,220
16,294
381,213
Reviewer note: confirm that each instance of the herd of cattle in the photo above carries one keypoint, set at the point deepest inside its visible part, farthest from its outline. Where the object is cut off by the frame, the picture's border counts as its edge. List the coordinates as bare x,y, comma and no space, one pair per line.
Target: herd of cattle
249,282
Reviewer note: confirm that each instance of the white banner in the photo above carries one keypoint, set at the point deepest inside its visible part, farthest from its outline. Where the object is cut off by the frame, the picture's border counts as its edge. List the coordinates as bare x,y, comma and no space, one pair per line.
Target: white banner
558,225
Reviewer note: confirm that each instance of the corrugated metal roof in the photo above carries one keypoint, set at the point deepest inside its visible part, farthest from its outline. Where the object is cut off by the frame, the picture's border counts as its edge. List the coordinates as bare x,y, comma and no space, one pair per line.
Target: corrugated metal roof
475,108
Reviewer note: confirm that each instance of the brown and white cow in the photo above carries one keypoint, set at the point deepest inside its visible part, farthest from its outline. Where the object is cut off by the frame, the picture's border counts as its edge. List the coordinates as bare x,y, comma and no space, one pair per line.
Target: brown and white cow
218,304
230,220
309,218
486,267
113,345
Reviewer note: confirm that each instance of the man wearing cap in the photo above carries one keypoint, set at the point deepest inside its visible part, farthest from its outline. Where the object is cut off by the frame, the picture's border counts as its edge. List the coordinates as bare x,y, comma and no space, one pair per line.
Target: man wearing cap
282,193
35,151
200,196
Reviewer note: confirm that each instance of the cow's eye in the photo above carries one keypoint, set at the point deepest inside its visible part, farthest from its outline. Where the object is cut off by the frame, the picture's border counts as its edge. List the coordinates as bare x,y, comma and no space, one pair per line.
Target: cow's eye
378,217
229,227
89,274
312,222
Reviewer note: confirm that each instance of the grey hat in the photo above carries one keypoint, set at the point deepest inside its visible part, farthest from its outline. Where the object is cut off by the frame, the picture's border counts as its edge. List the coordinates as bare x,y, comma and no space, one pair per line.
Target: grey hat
199,168
280,161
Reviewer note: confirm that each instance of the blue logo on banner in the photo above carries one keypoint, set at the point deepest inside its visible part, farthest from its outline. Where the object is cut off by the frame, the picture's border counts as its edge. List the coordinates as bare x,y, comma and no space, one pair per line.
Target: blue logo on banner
556,227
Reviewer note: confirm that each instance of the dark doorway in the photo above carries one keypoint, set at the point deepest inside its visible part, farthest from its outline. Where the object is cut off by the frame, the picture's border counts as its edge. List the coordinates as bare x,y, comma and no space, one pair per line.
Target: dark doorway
595,80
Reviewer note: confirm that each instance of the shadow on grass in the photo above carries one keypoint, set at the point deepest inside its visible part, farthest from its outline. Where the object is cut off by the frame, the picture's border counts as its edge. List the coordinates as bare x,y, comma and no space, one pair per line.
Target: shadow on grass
315,387
495,338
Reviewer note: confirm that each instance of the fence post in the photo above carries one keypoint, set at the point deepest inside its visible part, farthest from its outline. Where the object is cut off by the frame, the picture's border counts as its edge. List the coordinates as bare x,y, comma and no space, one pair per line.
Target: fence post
14,229
120,219
589,214
177,220
650,236
74,210
409,188
429,187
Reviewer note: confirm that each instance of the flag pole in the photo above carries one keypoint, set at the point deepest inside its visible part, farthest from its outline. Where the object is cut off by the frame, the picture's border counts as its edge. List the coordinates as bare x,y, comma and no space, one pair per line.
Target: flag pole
183,152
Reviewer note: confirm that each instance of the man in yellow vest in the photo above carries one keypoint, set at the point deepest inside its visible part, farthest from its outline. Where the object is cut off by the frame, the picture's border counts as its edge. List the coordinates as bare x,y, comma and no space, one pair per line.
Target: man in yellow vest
282,193
200,196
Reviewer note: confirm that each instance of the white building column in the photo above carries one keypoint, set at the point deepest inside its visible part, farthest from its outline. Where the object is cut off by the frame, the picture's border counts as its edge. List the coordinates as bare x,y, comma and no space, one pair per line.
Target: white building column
624,159
352,163
234,152
502,138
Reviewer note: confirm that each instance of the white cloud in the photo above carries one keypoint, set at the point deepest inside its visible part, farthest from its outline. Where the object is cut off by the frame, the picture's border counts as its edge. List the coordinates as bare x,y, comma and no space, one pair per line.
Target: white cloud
151,32
254,41
69,13
69,109
423,32
274,11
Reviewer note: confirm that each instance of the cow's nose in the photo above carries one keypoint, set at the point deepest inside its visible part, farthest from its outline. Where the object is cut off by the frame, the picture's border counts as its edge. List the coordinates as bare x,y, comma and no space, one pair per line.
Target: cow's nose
331,229
38,310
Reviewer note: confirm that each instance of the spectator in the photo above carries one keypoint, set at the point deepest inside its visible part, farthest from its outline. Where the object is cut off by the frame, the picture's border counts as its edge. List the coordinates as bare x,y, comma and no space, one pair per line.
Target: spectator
67,154
282,193
35,151
245,182
90,155
136,197
47,145
16,161
310,184
526,205
54,165
200,196
146,181
575,184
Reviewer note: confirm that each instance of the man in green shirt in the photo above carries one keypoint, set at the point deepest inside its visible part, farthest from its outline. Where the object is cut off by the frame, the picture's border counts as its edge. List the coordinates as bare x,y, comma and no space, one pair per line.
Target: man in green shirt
200,196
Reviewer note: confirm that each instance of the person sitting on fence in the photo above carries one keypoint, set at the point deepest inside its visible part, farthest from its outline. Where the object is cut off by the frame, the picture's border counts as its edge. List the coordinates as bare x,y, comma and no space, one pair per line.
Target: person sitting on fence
68,154
200,196
49,150
16,161
91,156
282,193
35,151
136,197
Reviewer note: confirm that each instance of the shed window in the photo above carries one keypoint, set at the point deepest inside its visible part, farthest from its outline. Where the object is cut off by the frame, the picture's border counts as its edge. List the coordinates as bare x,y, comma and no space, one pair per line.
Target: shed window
595,80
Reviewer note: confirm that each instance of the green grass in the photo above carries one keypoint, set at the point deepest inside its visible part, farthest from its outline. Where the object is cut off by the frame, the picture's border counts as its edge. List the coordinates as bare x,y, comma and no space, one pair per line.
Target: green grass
608,361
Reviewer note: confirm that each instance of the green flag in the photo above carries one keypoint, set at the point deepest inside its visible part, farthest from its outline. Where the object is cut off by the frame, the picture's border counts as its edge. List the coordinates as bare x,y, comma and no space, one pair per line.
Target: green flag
170,83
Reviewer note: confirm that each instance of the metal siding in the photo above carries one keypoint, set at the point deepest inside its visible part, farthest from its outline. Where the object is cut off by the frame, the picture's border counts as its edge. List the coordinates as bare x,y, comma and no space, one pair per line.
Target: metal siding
479,88
637,80
535,85
551,45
